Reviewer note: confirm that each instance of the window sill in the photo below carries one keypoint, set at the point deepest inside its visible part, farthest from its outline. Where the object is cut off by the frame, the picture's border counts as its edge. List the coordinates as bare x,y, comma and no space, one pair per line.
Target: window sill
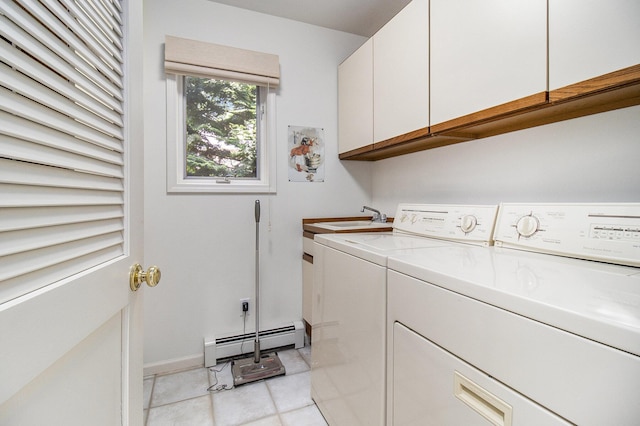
210,186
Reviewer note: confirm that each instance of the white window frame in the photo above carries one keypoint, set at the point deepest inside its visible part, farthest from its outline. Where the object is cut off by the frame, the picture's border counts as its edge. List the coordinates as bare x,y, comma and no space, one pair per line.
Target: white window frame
177,180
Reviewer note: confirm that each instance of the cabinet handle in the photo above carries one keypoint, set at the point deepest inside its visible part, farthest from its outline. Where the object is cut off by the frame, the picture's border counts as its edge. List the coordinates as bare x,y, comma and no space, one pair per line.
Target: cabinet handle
482,401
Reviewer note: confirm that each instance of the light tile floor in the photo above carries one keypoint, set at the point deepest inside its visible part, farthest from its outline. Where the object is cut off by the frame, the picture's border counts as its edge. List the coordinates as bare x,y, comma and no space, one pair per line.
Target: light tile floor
206,396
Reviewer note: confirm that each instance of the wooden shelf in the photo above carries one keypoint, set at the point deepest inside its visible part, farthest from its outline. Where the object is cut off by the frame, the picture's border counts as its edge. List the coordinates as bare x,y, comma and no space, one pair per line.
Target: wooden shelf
399,146
608,92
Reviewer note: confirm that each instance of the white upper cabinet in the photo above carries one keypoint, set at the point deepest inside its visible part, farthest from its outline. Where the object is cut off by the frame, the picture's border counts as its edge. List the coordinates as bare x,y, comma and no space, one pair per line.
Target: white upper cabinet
401,73
591,38
355,99
485,53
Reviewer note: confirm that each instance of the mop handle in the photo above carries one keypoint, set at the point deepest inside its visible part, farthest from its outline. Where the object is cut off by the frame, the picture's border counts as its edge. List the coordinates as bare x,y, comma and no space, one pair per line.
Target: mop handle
256,357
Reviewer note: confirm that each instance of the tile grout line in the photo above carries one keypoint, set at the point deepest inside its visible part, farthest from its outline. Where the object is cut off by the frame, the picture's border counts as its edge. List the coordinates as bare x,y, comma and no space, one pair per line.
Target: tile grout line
182,400
211,371
153,385
210,392
273,401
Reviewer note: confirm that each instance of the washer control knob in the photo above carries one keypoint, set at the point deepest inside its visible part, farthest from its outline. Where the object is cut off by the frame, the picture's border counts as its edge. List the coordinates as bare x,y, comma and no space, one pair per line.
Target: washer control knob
468,223
527,225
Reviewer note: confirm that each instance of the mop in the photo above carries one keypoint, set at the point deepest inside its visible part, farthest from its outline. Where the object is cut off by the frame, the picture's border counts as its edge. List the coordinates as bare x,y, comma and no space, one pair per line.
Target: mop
259,366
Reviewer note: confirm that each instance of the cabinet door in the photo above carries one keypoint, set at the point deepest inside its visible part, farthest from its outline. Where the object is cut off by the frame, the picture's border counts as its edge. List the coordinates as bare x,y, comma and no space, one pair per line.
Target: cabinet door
401,73
355,99
307,288
591,38
485,53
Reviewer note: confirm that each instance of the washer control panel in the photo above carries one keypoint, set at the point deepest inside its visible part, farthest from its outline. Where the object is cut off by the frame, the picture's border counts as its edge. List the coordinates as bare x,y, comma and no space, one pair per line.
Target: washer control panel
603,232
468,223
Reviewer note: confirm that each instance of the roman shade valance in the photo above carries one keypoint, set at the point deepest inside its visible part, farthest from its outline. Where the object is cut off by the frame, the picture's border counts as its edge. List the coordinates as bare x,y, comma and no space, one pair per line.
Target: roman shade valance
201,59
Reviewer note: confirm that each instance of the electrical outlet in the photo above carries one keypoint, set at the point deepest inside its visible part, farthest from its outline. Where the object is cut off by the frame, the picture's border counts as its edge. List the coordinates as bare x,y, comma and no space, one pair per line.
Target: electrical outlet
244,309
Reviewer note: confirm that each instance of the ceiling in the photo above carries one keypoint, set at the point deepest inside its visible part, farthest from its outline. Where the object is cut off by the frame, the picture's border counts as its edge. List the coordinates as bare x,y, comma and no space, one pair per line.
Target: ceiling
362,17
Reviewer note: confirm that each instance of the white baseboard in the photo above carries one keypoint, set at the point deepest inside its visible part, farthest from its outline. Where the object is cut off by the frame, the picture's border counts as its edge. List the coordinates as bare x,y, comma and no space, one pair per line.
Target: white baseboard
295,336
222,347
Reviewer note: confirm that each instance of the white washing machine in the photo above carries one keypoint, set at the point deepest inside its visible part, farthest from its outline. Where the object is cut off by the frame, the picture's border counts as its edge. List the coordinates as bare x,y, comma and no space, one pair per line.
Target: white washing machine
508,335
348,372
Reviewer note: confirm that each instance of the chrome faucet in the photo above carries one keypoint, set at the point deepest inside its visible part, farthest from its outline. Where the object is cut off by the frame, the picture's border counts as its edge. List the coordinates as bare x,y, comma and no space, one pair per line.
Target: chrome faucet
377,216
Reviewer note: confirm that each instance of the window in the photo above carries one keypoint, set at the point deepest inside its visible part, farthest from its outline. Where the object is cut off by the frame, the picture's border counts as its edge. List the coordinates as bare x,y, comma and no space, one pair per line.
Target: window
220,123
221,128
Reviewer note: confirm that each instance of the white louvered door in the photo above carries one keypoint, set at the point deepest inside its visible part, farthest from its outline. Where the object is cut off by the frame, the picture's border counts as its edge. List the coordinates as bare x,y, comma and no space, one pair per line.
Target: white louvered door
71,210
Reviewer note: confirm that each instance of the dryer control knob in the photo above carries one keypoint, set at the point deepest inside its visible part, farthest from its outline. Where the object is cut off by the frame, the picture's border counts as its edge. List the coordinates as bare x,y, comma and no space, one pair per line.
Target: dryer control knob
468,223
527,226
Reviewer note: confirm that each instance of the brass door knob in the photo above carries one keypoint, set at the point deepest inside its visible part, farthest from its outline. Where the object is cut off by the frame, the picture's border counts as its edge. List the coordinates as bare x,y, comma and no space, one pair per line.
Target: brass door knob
137,276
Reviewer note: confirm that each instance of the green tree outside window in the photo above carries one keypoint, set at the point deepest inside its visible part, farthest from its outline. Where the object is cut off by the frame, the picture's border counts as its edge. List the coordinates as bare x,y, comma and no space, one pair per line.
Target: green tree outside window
221,131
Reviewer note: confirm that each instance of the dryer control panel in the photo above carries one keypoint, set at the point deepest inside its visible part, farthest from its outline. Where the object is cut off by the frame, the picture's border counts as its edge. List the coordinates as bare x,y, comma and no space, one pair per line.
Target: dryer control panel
465,223
603,232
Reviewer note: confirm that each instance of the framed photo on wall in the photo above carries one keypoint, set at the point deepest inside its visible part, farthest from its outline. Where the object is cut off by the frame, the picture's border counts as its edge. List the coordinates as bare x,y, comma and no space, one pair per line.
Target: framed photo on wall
306,154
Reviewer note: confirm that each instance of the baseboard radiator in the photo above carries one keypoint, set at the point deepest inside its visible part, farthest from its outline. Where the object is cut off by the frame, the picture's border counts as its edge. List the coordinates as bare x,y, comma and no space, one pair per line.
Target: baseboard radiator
218,348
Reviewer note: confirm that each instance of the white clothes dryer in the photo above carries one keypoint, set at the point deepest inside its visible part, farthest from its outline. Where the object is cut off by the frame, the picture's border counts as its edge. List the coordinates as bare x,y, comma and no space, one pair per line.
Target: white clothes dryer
348,372
513,336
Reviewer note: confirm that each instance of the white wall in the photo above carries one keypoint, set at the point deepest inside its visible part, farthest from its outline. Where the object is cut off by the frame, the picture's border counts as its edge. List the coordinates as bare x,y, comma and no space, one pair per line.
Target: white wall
205,244
589,159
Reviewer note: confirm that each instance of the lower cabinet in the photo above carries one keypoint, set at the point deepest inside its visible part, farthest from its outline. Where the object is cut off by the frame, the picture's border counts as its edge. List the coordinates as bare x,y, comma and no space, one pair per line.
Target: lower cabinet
307,288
